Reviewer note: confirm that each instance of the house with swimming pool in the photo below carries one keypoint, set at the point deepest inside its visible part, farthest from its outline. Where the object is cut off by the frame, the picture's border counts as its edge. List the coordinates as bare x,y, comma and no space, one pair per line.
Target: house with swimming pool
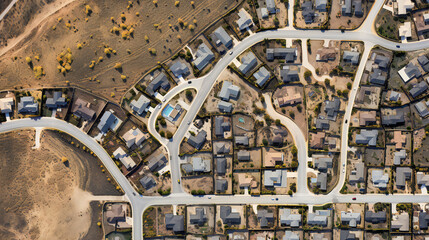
172,113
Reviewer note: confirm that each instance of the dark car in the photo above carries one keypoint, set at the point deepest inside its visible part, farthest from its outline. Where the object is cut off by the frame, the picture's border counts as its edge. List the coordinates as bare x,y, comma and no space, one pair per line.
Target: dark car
397,46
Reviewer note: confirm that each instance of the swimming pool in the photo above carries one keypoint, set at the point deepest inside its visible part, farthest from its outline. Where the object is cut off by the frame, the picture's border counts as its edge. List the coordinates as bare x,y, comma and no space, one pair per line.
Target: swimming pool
167,110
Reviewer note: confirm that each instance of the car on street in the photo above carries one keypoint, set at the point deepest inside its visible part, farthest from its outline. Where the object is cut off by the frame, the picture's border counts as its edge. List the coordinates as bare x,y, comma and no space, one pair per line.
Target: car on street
159,106
189,122
163,100
189,82
397,46
230,53
354,198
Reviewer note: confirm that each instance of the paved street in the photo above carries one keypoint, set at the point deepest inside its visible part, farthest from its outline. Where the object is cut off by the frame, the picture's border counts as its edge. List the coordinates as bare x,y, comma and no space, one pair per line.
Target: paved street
203,86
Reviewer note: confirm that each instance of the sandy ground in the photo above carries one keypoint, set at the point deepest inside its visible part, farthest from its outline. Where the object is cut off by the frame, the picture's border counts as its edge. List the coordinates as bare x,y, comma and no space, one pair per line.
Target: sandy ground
43,197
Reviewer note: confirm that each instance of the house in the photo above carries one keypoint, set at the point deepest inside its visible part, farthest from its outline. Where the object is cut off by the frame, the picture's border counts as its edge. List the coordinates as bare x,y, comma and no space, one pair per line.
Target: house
27,105
358,8
275,178
404,6
248,62
418,89
221,165
367,137
375,217
271,6
243,155
221,185
332,108
347,235
200,165
271,159
422,108
6,105
322,124
199,218
321,181
147,182
246,181
288,75
422,179
134,137
399,156
352,57
346,8
81,109
380,179
262,76
289,235
403,174
228,216
321,5
320,218
179,69
394,96
221,148
399,139
264,12
116,215
326,54
222,37
140,105
222,125
382,62
157,162
308,13
400,222
228,91
244,21
287,54
423,220
126,160
198,140
56,101
289,219
241,140
377,77
350,218
107,121
322,162
409,72
175,222
357,175
224,107
393,119
203,56
160,81
421,20
367,118
265,217
289,99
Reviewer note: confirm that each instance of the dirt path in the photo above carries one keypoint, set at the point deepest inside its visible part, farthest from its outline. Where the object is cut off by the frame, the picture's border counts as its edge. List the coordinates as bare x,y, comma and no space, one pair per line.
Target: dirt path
33,24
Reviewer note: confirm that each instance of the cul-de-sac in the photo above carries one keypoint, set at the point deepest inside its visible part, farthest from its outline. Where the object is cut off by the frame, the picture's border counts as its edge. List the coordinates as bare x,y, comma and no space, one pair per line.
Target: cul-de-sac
214,119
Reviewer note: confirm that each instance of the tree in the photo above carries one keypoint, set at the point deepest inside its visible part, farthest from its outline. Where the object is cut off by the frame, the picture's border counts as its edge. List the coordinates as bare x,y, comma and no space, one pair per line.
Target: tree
64,159
349,85
307,74
189,94
294,150
278,123
327,82
265,142
169,135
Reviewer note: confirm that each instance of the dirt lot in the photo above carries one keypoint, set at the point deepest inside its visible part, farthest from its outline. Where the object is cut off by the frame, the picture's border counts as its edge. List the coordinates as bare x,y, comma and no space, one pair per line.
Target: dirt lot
420,156
196,183
254,163
154,220
324,67
93,32
56,194
347,22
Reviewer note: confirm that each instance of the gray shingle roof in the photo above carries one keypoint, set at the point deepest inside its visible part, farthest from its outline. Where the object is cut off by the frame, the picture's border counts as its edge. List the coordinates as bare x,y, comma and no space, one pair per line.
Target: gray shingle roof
179,69
262,75
106,121
140,105
160,81
203,56
56,101
198,140
28,105
174,222
223,37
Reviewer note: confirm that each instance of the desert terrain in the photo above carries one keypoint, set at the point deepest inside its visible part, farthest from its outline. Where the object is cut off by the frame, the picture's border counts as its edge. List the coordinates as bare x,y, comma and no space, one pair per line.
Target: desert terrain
44,197
79,43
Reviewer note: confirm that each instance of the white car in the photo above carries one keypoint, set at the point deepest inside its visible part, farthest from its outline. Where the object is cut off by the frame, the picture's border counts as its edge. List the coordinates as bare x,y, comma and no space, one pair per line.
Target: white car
159,106
230,53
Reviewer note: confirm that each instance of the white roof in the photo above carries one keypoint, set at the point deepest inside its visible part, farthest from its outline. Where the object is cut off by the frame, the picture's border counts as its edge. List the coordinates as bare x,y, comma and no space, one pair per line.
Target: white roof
124,158
405,30
134,136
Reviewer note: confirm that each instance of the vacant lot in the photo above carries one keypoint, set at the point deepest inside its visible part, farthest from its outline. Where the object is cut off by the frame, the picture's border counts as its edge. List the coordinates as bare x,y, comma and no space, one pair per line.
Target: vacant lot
45,198
55,31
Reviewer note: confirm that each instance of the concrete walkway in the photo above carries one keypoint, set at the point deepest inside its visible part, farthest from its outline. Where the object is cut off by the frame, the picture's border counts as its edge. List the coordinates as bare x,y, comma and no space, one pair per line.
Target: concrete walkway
38,132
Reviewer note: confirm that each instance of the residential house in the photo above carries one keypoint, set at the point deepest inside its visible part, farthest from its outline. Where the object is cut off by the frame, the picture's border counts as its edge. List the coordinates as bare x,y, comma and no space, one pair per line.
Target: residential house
116,215
289,99
175,222
404,6
289,219
82,110
332,108
380,179
422,108
418,89
275,178
27,105
382,62
246,181
199,218
350,218
325,54
322,162
347,235
399,156
321,181
319,218
107,122
399,139
157,162
375,217
201,165
6,105
126,160
322,124
221,185
272,158
221,165
228,216
288,75
394,96
222,125
287,54
393,119
367,137
262,76
422,179
203,57
179,69
367,118
357,174
423,220
241,140
160,81
134,137
265,217
244,21
221,148
308,13
198,140
409,72
377,77
403,174
56,101
228,91
141,105
243,155
289,235
400,222
224,107
222,37
248,62
147,182
271,6
352,57
321,5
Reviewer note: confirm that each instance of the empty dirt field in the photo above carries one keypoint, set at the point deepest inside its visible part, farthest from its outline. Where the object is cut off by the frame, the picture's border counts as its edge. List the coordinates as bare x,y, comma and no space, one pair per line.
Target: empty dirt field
44,198
98,34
